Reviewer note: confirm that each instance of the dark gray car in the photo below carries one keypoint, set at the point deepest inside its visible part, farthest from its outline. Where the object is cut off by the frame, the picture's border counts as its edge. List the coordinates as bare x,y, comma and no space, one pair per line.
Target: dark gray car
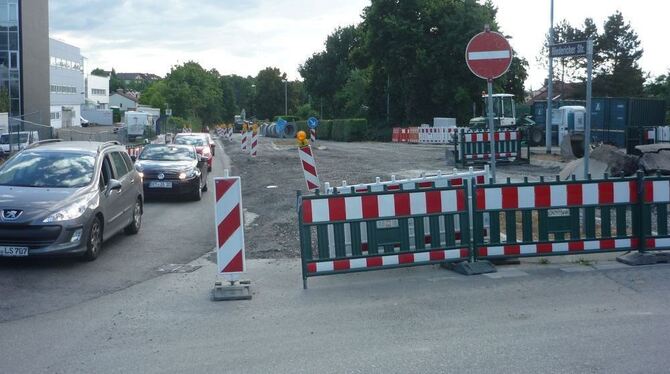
66,198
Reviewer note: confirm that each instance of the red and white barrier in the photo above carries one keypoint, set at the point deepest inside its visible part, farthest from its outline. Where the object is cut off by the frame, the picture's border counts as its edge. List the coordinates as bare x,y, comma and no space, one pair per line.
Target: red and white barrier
254,144
312,135
557,196
229,227
383,206
559,248
388,260
438,180
657,191
245,141
309,168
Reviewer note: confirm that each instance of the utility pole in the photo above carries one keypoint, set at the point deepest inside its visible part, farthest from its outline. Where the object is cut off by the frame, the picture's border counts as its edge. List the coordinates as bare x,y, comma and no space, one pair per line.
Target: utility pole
388,99
550,83
286,97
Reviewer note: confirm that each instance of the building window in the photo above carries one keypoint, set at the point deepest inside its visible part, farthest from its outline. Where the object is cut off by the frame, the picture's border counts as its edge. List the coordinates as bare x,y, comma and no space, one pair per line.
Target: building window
55,116
99,92
70,90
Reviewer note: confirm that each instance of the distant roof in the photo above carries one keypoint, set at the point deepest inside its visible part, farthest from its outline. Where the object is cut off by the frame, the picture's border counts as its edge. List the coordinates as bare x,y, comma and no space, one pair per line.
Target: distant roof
137,76
562,90
127,95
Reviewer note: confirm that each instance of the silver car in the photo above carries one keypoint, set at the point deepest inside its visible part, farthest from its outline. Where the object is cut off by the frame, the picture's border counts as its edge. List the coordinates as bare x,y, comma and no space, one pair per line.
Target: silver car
67,198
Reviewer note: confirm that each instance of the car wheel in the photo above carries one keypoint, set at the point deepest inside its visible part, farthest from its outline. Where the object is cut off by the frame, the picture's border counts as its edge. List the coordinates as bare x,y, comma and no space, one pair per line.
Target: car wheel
197,194
134,226
94,240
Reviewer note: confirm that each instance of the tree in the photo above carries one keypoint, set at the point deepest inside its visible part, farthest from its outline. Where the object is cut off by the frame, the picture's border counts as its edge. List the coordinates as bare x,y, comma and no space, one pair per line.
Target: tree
619,51
326,73
270,93
115,83
155,95
414,49
192,91
99,72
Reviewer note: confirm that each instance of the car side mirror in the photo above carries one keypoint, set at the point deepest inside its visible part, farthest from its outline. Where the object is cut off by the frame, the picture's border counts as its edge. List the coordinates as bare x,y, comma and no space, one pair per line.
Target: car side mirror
113,185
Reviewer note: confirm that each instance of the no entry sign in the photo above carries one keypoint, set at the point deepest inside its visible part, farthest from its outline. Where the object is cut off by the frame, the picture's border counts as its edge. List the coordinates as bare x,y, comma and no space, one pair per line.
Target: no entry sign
488,55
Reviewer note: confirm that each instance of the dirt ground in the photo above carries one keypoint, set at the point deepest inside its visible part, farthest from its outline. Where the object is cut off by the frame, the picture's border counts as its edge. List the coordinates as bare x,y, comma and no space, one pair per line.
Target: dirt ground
270,181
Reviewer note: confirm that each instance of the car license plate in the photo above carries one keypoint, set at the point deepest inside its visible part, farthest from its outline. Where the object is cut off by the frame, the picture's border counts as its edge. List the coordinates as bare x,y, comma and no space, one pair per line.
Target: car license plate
160,184
13,251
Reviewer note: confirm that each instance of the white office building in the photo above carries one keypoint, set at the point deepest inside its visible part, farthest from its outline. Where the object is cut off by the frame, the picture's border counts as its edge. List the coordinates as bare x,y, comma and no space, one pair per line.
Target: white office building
67,84
97,91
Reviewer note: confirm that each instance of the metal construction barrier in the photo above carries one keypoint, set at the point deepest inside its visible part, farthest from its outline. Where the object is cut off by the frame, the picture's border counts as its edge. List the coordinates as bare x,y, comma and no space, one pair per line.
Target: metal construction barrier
424,135
470,224
387,215
473,146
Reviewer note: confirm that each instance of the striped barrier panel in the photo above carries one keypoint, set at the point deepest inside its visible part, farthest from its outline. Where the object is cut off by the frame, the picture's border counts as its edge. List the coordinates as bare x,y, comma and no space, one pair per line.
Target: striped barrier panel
312,135
475,146
254,143
557,218
387,216
395,136
655,211
229,228
245,141
308,164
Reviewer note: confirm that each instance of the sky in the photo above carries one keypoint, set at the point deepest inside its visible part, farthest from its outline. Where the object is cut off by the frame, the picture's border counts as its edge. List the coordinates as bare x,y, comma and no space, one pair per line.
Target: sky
244,36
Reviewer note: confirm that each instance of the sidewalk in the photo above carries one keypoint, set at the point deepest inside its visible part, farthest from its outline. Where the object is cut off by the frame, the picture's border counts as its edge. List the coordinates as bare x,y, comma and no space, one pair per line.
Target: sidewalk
527,318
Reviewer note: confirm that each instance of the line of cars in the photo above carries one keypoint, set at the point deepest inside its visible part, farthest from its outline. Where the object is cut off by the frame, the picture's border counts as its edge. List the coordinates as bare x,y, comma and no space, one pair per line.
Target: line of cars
67,198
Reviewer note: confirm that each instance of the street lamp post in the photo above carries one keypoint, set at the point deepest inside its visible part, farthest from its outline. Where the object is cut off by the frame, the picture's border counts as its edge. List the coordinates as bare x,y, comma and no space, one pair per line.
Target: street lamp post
253,102
286,97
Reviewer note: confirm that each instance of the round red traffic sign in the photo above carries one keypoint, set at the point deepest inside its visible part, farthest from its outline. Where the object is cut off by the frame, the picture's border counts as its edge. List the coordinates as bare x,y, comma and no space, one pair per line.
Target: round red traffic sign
488,55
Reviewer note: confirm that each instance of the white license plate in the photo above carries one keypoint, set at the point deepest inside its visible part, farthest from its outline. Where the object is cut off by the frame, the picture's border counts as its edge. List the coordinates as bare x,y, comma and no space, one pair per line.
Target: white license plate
160,184
13,251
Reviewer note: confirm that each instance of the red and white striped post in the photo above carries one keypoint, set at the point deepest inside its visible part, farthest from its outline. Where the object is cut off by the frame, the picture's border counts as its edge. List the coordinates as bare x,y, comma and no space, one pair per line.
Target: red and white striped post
245,141
230,256
309,168
254,142
312,135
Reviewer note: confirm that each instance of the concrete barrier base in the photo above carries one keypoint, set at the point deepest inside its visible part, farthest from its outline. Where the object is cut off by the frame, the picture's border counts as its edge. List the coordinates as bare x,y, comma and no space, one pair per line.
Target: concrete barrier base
644,258
226,291
471,268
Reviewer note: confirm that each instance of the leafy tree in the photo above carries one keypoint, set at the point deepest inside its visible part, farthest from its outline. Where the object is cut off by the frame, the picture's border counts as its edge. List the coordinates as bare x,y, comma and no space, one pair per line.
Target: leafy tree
155,95
243,93
414,49
352,98
326,73
115,82
99,72
619,52
193,91
270,93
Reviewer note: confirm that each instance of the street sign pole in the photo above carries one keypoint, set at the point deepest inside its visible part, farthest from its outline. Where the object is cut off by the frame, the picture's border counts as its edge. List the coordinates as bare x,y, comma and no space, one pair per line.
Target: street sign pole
550,85
489,56
492,129
587,129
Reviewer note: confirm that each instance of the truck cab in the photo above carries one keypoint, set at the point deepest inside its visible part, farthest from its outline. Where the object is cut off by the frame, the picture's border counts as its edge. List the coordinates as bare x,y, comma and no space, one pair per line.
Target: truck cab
504,112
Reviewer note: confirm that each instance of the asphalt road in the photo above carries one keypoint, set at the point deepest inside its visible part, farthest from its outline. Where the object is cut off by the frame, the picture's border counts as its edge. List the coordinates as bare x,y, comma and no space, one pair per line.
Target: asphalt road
173,232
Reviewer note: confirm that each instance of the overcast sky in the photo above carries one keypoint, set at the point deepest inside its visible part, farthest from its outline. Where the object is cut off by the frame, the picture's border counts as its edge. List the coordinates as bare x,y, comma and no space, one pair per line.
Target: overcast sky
243,36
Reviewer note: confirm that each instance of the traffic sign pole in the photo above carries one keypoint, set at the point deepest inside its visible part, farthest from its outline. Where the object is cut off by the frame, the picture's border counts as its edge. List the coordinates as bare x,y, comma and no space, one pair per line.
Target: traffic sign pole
489,56
587,125
492,130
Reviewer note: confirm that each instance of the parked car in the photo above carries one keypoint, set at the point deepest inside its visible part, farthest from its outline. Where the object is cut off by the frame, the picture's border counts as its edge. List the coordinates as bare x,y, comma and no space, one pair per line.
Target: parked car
201,146
173,170
13,142
67,198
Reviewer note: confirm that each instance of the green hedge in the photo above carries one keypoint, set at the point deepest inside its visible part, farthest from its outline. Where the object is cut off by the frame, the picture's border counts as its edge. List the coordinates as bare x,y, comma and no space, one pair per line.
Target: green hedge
341,130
